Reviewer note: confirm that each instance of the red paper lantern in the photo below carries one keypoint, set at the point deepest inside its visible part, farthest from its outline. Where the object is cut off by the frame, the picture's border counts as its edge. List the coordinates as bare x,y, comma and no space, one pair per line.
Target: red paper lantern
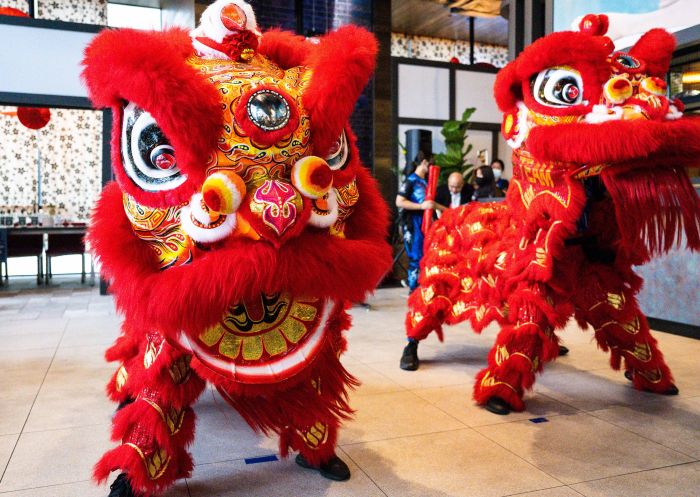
34,117
9,11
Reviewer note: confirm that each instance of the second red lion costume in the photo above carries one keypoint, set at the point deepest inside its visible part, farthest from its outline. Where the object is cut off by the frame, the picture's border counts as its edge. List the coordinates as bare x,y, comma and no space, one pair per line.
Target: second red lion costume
598,187
241,225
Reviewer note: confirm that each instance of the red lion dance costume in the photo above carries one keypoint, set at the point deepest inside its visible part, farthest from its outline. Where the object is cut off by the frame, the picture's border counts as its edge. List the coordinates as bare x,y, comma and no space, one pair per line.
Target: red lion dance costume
598,186
232,251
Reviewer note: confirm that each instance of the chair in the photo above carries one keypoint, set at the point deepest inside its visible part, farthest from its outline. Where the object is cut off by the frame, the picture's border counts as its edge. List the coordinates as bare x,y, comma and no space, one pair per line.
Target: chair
3,253
25,245
65,244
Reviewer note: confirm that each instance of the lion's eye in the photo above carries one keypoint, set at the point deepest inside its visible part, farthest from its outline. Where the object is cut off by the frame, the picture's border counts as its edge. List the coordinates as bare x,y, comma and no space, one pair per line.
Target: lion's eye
148,158
558,87
626,60
340,153
268,110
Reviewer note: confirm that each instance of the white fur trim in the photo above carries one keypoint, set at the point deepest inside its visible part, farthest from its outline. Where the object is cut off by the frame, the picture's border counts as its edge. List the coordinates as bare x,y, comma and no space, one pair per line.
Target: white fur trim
206,235
602,113
673,113
197,211
329,219
523,127
210,26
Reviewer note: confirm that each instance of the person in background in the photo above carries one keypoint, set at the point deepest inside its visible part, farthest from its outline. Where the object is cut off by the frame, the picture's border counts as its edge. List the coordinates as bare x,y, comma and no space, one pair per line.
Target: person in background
498,168
455,193
411,202
485,184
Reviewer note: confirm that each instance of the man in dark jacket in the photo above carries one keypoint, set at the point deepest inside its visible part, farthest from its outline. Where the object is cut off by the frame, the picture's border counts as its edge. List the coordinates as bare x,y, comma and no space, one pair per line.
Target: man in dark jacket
454,193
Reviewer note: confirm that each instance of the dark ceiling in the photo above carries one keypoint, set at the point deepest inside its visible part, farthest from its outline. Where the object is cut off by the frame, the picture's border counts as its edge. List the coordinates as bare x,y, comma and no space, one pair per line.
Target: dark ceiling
432,18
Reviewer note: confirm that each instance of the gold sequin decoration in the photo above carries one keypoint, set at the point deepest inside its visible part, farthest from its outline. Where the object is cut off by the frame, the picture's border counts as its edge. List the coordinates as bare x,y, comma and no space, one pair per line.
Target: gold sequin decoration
156,464
180,370
151,354
317,435
252,348
121,378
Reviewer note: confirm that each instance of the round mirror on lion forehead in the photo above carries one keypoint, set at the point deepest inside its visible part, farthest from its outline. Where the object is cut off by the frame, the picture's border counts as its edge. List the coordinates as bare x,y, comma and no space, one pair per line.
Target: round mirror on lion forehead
268,110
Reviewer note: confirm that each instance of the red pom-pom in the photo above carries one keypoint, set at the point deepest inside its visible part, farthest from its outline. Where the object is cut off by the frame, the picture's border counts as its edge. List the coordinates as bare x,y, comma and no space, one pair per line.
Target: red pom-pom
454,60
34,117
594,24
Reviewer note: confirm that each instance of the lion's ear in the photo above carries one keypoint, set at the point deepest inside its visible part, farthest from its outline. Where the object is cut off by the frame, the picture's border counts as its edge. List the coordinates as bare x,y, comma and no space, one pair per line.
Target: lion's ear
655,48
341,65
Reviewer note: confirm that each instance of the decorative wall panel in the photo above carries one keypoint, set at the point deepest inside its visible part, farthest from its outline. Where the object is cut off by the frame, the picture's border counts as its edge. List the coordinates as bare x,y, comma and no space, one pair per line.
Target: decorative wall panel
71,150
439,49
81,11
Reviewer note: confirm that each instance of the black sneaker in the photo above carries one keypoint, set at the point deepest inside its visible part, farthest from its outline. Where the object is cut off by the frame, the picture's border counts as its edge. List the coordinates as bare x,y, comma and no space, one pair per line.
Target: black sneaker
121,487
409,358
498,406
333,469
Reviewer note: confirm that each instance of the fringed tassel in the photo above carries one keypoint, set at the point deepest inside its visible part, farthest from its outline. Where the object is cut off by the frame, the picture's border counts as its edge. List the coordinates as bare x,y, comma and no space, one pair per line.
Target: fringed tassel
654,209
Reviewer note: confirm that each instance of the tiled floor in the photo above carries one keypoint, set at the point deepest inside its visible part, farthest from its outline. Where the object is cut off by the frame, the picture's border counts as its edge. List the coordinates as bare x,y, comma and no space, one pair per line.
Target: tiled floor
415,434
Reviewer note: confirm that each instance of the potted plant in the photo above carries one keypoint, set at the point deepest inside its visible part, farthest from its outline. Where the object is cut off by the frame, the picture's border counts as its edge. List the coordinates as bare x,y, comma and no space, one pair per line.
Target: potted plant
454,159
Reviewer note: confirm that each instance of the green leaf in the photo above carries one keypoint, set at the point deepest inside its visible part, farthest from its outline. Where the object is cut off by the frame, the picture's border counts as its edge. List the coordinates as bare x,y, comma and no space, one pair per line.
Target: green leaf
467,114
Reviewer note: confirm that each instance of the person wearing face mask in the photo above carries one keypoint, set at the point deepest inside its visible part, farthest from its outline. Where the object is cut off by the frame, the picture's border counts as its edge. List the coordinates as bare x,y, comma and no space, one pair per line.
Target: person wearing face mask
411,203
498,168
485,184
455,193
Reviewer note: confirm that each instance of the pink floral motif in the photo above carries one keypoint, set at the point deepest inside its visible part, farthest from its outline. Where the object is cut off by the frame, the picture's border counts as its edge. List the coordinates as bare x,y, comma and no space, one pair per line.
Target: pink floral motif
279,211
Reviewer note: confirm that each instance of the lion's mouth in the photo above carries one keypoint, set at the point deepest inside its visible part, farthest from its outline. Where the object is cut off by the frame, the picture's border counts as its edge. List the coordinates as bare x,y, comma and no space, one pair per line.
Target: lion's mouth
263,340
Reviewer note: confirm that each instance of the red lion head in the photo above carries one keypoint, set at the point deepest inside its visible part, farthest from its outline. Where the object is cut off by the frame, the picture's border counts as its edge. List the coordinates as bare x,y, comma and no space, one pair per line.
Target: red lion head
241,214
572,101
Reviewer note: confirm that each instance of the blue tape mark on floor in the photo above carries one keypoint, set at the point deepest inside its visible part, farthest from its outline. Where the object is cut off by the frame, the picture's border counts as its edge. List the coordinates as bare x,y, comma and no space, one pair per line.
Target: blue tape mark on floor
539,420
256,460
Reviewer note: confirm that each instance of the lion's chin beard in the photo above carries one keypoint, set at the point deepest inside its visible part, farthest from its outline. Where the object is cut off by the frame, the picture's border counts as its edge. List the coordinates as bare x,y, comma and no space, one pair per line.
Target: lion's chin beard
654,208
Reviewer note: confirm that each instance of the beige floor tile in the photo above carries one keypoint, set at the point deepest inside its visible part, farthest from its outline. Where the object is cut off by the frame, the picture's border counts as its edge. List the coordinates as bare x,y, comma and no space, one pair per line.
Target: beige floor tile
392,415
222,435
71,397
36,326
30,360
591,390
20,341
580,447
373,382
7,444
686,373
675,481
431,373
459,463
85,489
457,401
91,331
672,421
551,492
17,393
276,479
369,351
81,357
55,457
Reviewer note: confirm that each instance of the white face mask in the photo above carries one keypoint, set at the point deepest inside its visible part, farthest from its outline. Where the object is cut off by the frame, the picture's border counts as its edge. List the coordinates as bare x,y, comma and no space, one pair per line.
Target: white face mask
497,173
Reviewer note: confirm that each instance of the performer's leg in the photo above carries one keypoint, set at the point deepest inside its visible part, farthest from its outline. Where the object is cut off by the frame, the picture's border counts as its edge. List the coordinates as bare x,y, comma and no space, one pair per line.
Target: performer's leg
155,429
414,251
620,327
521,349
